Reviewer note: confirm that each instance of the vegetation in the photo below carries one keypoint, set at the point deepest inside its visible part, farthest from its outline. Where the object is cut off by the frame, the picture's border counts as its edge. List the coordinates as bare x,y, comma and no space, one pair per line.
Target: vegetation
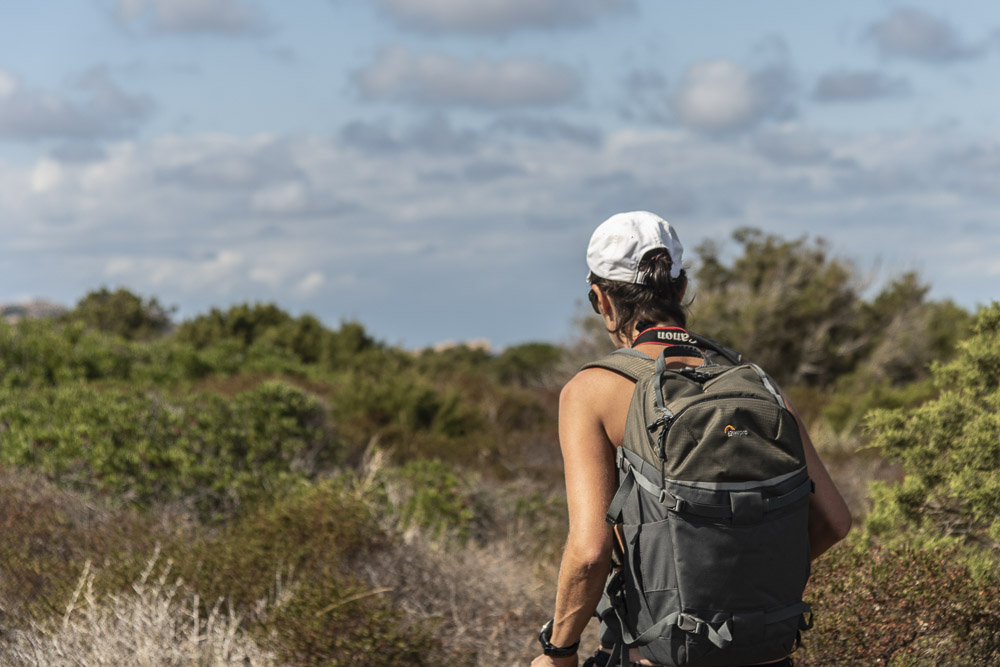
256,488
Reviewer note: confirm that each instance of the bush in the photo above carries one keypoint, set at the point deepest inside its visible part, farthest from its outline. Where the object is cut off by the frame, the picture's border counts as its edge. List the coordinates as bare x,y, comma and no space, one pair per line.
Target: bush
321,613
799,313
404,412
949,450
210,452
429,494
48,536
121,313
901,605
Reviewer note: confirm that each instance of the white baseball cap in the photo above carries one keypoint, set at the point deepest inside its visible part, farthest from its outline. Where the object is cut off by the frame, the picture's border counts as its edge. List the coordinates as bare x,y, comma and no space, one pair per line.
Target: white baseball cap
620,242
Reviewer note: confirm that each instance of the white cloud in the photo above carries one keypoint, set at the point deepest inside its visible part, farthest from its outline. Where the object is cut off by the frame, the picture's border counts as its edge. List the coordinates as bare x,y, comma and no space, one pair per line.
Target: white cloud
721,96
221,17
100,109
46,176
310,283
917,35
499,16
216,274
519,206
282,198
438,79
8,84
858,85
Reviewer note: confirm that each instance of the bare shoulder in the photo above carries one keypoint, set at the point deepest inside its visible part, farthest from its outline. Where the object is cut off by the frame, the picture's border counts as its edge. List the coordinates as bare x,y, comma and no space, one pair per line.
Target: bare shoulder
593,384
596,400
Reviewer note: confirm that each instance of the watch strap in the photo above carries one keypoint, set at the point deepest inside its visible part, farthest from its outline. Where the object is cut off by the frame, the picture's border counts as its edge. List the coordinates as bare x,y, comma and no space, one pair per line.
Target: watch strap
551,650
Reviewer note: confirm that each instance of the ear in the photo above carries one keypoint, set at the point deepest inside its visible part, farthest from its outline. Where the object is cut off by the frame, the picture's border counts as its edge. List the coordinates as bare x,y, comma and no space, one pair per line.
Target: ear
603,302
607,308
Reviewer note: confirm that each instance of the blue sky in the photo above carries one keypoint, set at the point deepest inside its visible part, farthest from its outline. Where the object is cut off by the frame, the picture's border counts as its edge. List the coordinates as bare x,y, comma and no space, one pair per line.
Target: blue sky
434,168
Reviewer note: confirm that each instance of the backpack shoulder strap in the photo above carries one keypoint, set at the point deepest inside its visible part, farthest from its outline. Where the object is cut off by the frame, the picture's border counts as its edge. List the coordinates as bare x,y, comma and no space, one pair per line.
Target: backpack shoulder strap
630,363
729,354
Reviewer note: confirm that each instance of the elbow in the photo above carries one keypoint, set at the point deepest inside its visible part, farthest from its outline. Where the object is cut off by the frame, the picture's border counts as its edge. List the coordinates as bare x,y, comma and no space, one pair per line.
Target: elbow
590,556
594,561
842,526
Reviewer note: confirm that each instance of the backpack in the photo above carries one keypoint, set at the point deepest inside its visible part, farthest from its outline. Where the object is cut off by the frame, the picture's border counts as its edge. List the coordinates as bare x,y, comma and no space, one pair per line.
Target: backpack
711,514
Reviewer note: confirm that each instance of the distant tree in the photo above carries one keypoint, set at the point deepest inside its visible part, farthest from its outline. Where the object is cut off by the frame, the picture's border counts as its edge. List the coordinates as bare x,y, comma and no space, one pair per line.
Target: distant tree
121,313
342,347
528,363
269,326
800,313
243,322
786,305
904,333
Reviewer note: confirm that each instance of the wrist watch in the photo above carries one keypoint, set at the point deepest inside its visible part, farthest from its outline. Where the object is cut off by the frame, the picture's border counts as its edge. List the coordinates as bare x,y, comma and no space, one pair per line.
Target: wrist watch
554,651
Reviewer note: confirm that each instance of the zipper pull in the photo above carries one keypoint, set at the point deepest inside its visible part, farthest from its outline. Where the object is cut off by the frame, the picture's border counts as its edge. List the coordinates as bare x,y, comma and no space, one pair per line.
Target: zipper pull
661,445
663,420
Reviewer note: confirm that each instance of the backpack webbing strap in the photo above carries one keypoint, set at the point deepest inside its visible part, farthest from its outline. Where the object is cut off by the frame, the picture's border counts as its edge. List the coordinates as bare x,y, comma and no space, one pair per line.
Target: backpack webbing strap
720,634
746,506
729,354
631,474
749,627
630,363
767,383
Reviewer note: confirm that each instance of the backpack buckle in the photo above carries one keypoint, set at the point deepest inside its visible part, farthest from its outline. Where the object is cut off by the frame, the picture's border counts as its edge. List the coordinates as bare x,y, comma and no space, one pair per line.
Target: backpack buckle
665,496
689,623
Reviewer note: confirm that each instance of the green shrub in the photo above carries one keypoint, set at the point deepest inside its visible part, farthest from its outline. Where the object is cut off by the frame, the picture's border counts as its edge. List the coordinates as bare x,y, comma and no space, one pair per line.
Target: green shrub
321,613
430,494
901,605
948,448
405,412
121,313
211,452
333,623
48,536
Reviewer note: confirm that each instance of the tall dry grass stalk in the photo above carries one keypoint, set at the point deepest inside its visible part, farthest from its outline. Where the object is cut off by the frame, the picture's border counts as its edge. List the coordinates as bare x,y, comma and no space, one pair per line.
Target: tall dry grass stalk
157,623
486,598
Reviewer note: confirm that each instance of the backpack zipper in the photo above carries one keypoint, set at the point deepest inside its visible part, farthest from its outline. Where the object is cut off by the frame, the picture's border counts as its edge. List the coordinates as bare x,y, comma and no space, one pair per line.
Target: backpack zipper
666,421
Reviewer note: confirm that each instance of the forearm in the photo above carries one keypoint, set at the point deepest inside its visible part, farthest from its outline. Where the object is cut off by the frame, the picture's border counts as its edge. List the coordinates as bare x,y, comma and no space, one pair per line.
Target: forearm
581,581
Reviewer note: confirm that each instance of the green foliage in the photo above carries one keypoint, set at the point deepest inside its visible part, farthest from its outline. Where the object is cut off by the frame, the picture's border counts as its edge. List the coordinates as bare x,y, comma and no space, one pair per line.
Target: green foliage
121,313
322,615
268,329
785,304
526,364
428,493
800,314
404,411
846,409
48,536
949,449
211,452
902,606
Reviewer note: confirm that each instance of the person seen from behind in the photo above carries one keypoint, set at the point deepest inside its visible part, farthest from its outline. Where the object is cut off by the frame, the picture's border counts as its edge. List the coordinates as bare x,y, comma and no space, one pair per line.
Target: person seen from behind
637,286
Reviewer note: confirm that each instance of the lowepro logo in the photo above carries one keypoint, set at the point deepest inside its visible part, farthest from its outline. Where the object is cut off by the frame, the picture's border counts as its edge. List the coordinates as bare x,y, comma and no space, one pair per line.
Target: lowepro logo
731,431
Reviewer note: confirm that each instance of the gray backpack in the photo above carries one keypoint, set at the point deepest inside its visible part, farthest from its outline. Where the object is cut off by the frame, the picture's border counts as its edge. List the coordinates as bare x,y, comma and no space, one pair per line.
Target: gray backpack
711,514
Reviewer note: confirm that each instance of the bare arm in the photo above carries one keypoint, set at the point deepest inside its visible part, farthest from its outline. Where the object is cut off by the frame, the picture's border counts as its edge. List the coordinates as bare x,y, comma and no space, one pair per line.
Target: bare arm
588,457
829,517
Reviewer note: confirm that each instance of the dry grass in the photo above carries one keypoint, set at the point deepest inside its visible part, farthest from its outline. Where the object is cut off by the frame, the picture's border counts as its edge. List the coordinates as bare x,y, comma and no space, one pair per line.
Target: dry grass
485,599
157,623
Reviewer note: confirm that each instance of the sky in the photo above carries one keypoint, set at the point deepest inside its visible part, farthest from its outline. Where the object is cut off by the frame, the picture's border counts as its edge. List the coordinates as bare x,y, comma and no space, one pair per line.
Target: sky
434,168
